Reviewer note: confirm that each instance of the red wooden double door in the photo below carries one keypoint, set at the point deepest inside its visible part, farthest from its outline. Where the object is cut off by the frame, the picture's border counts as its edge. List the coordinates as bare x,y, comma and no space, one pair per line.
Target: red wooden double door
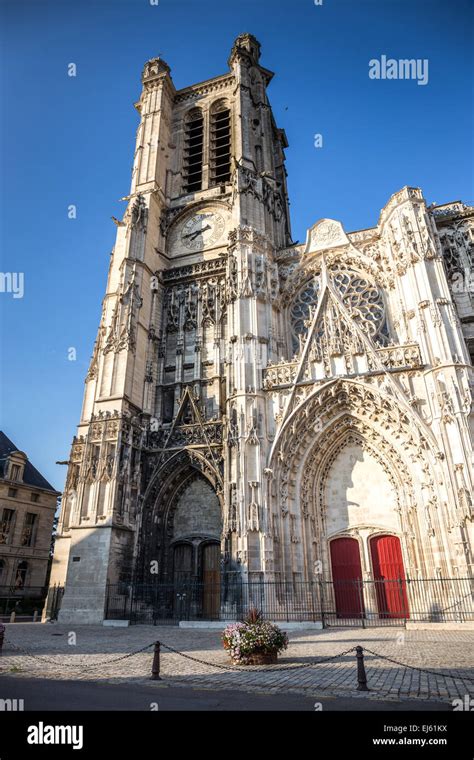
388,575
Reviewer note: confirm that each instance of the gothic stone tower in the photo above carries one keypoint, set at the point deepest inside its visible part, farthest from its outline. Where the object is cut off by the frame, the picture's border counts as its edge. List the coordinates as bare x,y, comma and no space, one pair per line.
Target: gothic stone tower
167,464
258,408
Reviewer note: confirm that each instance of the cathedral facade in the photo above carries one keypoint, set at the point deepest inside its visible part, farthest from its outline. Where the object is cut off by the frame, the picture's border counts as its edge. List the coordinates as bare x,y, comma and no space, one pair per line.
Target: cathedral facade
256,408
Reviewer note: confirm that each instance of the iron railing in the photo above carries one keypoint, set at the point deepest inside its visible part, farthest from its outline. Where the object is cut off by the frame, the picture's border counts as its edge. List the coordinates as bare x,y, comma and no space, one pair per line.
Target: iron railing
53,602
24,602
332,603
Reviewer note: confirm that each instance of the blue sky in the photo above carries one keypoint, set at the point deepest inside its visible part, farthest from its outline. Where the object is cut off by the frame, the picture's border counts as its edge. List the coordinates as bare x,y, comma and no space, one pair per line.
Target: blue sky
70,140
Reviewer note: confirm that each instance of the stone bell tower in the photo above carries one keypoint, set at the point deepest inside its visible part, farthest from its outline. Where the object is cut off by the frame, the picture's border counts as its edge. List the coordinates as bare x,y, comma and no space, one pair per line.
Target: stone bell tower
166,470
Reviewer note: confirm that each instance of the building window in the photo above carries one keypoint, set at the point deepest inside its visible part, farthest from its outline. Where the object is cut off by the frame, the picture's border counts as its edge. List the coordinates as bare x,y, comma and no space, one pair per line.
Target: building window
133,502
15,472
168,405
67,511
101,499
6,526
85,500
21,573
300,311
119,501
193,147
362,299
28,535
470,348
12,492
220,145
35,497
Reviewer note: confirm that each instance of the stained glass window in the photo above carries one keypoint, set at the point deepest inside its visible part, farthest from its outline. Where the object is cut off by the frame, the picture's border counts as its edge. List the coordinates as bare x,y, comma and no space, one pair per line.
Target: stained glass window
362,299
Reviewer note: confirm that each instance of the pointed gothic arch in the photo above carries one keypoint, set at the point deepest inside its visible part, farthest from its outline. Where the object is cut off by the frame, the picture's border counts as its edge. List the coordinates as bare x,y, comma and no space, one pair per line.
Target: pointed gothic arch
318,425
183,504
352,461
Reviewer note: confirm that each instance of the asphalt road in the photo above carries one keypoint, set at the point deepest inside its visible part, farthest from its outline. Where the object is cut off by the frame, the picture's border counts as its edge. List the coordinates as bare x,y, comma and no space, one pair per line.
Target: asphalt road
44,694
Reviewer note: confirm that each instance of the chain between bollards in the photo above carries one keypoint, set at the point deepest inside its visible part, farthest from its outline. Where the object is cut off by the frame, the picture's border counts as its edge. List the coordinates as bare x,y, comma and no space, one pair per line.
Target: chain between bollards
361,674
155,668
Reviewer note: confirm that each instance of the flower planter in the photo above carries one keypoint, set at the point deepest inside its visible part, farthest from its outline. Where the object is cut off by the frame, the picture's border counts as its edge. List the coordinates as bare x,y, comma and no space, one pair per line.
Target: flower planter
259,658
254,641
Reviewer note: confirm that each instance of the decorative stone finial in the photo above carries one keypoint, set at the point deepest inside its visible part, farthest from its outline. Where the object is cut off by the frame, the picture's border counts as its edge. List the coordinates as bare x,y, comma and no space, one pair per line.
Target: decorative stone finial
154,68
248,43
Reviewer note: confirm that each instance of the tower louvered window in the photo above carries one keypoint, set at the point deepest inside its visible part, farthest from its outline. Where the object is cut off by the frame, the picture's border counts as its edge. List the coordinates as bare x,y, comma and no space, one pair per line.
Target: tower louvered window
220,146
193,147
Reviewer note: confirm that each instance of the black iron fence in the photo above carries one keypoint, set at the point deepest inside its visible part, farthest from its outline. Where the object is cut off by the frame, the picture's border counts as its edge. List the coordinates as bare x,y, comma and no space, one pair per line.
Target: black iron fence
332,603
27,603
53,602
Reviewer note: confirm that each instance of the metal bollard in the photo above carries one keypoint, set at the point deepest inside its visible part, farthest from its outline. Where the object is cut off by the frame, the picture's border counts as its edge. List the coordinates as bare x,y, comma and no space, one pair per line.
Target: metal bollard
2,636
361,674
35,616
155,668
12,617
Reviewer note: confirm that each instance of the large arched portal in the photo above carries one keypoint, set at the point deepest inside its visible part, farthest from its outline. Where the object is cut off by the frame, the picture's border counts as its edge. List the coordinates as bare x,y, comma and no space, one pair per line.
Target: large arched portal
180,540
195,528
350,461
358,497
185,518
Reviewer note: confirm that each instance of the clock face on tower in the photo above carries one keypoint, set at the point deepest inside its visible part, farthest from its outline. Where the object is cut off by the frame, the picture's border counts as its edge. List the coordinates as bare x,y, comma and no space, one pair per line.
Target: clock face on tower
202,230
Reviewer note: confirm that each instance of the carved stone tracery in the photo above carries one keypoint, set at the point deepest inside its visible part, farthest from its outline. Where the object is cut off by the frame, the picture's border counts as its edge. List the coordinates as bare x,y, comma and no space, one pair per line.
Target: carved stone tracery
363,300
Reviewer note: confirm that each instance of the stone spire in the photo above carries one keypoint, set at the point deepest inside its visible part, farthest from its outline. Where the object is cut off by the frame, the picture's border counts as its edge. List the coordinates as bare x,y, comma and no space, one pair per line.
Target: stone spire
245,44
155,68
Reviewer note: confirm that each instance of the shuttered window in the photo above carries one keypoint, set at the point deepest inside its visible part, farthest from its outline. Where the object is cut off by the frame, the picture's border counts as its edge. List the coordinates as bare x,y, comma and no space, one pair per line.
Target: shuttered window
193,147
220,146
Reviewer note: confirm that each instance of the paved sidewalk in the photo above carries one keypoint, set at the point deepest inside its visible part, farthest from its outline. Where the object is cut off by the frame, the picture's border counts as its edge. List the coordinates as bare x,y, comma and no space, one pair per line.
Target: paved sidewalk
88,653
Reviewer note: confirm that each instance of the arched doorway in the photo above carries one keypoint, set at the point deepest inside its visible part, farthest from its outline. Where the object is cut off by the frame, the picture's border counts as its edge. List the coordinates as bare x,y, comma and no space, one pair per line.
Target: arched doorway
389,577
195,528
347,577
197,577
181,535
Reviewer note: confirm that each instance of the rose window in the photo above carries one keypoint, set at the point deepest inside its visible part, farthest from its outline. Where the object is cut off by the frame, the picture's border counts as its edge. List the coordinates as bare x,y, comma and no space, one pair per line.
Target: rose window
362,299
300,310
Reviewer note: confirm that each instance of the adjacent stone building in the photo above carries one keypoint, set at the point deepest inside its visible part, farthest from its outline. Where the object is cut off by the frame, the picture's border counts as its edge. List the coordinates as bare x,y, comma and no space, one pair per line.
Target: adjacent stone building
27,508
257,408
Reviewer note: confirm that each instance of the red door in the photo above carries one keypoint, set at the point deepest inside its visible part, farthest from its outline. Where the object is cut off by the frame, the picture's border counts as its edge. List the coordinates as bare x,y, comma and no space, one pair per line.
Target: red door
389,576
347,577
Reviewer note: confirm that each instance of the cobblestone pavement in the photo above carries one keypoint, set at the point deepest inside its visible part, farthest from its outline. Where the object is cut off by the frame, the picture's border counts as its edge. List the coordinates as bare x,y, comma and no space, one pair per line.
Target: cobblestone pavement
52,653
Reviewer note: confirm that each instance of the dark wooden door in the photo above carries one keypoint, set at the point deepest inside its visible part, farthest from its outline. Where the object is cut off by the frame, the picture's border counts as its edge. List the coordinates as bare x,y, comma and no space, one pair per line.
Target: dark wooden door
347,577
211,578
389,577
182,563
183,580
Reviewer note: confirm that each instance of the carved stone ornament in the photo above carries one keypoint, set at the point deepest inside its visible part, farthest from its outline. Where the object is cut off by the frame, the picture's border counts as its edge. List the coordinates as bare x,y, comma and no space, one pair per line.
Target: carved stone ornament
325,234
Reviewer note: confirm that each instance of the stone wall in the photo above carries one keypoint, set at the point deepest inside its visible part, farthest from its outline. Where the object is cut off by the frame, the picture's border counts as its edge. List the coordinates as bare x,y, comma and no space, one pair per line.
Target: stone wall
198,512
358,492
